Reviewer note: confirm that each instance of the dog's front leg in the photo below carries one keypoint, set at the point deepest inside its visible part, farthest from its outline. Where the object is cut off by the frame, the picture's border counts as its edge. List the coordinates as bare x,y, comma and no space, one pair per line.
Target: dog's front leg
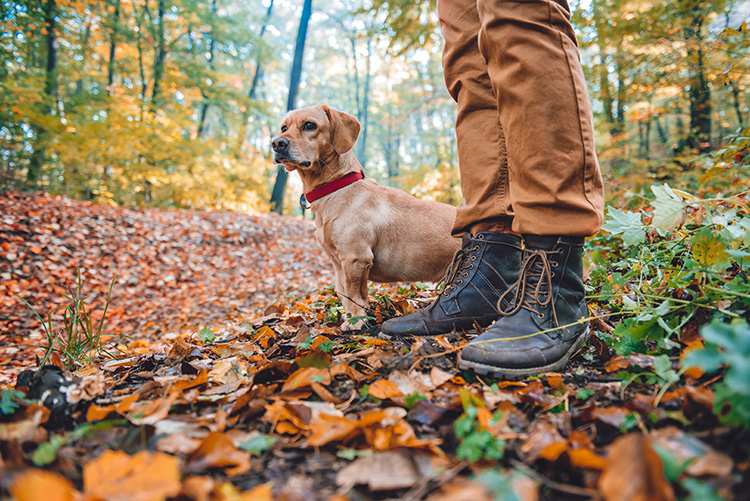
354,294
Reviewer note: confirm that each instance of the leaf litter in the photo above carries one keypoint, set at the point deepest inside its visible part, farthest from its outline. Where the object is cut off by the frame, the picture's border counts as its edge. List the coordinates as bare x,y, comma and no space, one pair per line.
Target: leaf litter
208,389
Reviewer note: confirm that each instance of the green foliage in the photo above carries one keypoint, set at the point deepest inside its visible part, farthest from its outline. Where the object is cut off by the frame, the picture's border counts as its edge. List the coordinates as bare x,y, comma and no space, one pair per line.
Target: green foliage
499,484
10,401
206,335
413,399
476,443
46,452
79,337
727,345
258,444
686,262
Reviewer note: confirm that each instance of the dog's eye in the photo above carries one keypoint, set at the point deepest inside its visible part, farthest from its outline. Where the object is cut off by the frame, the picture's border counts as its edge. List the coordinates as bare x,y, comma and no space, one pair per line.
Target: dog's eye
284,128
309,126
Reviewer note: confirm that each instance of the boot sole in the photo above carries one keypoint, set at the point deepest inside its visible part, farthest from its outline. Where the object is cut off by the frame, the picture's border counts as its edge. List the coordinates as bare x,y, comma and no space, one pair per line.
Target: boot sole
490,370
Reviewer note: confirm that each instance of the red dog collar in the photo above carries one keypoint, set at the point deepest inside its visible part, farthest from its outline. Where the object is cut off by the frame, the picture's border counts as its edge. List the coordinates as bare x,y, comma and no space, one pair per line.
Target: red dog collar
326,189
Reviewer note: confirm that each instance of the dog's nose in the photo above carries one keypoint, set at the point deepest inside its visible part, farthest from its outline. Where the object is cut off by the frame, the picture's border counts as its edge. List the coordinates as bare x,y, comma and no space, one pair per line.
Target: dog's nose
280,144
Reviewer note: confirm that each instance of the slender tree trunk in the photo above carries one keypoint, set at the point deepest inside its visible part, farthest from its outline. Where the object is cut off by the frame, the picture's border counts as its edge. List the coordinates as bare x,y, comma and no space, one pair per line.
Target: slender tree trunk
50,90
257,77
365,118
661,130
160,55
141,66
113,46
279,187
699,92
736,102
84,56
211,47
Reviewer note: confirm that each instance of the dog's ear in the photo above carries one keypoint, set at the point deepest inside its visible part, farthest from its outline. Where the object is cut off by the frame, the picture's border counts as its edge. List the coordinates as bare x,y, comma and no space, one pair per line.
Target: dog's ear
344,129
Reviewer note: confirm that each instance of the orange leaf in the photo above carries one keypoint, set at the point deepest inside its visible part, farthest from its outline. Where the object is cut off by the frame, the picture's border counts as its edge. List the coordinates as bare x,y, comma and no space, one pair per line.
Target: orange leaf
218,451
552,451
145,476
329,428
97,412
33,485
586,458
554,380
383,389
634,471
305,377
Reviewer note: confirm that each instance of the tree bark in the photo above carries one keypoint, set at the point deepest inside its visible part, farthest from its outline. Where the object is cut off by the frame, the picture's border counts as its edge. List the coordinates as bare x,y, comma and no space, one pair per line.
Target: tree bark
279,186
736,103
159,56
50,91
699,92
113,46
211,47
365,117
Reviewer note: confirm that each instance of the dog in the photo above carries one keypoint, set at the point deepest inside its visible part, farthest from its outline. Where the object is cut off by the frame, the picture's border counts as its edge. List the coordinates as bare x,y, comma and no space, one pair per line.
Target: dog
370,232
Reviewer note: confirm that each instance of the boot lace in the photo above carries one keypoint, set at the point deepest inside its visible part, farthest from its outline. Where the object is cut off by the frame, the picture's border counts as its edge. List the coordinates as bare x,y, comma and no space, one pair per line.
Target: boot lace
533,289
458,269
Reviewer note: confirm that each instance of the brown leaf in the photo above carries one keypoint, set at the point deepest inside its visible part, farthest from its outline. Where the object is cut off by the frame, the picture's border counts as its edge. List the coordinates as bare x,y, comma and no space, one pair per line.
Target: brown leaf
218,451
383,389
33,485
702,460
146,476
382,471
543,441
634,472
305,377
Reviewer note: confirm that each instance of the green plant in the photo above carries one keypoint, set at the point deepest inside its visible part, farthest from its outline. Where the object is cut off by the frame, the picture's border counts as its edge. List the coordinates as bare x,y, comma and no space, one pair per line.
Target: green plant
476,443
727,345
671,265
46,452
10,401
258,444
78,335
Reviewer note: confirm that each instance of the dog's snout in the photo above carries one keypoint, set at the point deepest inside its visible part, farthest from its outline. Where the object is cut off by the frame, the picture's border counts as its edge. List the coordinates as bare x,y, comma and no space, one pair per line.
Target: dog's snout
280,144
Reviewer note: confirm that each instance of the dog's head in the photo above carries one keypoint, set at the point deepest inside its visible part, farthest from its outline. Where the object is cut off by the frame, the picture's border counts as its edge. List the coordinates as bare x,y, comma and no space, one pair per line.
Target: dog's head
311,136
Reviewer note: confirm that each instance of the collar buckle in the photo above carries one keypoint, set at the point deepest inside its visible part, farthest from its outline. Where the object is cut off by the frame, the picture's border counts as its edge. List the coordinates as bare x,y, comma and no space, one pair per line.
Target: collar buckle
303,203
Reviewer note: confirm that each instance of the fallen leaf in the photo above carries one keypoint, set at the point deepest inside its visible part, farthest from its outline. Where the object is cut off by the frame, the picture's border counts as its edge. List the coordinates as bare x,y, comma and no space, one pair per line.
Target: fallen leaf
217,450
305,377
145,476
383,389
702,460
586,458
33,485
381,471
634,472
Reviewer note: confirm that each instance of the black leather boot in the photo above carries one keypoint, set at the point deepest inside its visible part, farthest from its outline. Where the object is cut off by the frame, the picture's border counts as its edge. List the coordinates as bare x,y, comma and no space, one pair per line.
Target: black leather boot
542,316
478,276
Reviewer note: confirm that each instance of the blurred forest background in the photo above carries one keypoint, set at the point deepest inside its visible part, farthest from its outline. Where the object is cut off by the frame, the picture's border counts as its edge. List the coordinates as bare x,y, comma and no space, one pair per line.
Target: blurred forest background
172,103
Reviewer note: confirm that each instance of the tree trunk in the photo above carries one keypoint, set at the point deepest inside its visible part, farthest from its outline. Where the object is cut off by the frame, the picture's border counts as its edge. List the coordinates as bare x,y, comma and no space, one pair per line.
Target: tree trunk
141,66
257,77
159,56
210,57
50,90
279,186
736,102
699,92
113,46
365,118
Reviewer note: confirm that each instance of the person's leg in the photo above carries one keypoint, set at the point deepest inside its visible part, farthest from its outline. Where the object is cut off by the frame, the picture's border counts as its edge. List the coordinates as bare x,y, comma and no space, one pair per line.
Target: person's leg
555,185
490,258
482,158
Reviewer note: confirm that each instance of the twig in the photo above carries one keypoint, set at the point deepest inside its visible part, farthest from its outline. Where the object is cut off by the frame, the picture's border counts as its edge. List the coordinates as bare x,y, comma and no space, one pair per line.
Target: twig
567,488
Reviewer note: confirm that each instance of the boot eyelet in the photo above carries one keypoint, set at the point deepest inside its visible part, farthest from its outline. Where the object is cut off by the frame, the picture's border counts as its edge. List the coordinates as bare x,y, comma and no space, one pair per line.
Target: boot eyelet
540,315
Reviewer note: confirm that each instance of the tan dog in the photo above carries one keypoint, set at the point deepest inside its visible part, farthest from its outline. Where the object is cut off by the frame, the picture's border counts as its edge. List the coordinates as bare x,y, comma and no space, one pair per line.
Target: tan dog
370,232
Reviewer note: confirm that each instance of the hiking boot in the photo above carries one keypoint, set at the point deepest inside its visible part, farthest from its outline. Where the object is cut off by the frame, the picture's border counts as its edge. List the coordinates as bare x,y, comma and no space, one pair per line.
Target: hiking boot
480,273
542,317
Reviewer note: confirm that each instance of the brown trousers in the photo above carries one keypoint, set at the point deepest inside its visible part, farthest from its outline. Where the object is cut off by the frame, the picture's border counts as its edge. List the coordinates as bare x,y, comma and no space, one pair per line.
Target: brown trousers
524,126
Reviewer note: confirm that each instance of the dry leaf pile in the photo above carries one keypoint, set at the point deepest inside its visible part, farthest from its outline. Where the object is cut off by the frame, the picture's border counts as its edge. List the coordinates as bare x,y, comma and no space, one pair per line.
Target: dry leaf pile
278,403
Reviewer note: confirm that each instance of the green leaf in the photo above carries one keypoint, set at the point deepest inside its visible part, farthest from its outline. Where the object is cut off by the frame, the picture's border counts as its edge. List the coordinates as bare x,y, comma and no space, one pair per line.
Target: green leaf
9,401
206,335
258,444
46,453
708,250
627,224
699,491
412,399
499,484
669,209
709,359
584,394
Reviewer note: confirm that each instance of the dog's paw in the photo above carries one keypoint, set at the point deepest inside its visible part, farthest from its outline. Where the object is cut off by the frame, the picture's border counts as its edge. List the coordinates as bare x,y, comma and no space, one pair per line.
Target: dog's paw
353,325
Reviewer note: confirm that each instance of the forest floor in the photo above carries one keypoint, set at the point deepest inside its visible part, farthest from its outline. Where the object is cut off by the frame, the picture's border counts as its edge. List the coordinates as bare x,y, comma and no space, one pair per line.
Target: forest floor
222,375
